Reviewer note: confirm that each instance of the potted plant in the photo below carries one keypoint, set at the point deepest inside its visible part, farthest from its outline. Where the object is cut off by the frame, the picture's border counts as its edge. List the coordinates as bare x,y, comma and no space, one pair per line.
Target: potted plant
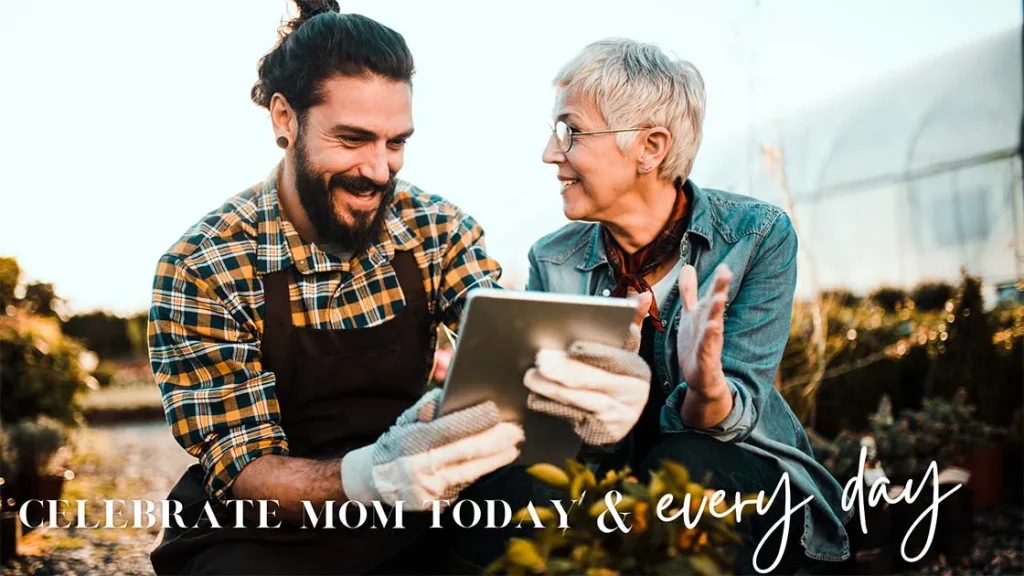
10,526
944,432
955,434
41,458
870,553
1015,458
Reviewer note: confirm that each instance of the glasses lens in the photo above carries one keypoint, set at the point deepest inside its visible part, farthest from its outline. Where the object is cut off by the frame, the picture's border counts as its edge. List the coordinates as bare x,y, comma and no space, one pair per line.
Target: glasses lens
564,135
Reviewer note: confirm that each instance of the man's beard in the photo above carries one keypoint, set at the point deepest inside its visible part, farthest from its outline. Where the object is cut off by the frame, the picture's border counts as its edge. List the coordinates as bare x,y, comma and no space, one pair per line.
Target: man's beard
333,234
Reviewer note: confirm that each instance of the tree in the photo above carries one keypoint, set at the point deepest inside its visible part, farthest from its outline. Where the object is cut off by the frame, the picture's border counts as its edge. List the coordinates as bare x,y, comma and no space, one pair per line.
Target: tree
969,359
10,274
40,299
104,334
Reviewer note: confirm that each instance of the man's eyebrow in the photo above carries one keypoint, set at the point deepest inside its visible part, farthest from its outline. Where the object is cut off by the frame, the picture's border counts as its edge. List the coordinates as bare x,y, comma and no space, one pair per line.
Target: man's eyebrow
568,116
349,130
405,135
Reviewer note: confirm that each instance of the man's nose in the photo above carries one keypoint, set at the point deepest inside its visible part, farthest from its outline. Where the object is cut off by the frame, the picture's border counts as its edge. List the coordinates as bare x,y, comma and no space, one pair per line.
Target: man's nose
375,166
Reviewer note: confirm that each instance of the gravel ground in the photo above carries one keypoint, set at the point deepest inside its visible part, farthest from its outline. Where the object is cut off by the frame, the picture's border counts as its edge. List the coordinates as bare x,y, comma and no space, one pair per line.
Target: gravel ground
138,461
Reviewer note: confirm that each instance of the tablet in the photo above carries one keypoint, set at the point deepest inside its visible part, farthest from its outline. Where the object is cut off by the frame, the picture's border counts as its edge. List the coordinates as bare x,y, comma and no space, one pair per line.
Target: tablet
499,336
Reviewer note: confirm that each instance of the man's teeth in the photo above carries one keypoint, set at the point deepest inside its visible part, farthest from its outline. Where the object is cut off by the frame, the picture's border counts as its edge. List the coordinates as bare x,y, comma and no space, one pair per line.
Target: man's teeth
567,183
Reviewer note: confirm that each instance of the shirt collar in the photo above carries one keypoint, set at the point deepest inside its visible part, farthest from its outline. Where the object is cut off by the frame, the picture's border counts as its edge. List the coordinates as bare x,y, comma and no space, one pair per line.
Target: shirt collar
700,225
279,245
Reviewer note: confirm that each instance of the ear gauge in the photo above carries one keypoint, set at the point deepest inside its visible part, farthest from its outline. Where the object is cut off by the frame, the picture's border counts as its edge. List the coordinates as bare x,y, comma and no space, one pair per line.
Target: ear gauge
282,141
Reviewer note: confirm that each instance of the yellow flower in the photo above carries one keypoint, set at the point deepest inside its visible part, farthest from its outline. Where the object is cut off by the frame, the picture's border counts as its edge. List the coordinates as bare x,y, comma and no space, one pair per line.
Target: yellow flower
687,538
640,513
524,553
579,553
549,474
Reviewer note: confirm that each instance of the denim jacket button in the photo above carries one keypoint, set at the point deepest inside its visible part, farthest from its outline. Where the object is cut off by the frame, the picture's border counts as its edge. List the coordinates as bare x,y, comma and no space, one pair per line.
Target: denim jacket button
606,292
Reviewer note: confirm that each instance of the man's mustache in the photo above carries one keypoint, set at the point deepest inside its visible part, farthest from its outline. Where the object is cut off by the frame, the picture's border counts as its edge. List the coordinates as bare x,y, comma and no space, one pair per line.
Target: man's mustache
361,184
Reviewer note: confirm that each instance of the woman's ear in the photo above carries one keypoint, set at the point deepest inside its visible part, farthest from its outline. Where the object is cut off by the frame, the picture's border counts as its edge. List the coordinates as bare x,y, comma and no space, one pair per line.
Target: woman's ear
654,150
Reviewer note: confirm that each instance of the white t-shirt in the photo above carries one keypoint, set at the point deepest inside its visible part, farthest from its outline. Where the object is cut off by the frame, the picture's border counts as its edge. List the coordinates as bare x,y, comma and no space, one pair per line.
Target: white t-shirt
662,287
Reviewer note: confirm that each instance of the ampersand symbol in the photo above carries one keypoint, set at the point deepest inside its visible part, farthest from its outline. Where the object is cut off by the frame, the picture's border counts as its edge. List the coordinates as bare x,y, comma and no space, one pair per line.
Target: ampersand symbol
618,518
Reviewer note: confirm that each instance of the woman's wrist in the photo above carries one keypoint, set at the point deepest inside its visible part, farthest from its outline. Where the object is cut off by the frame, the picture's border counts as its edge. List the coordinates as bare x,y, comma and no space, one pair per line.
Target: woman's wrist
707,406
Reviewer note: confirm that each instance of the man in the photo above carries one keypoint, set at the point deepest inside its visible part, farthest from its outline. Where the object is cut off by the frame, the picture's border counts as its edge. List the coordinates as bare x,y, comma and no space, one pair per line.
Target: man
291,329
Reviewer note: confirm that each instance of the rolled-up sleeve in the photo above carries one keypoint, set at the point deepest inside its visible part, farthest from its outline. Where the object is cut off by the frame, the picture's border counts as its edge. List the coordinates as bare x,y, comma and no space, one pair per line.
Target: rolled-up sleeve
219,402
756,331
465,266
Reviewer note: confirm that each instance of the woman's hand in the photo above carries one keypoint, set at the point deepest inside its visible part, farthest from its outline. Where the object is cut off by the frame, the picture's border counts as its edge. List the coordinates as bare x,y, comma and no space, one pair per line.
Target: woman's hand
699,346
601,390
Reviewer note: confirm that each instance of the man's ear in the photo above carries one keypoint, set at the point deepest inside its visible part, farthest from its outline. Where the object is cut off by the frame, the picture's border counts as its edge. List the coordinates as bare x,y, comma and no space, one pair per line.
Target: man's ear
283,118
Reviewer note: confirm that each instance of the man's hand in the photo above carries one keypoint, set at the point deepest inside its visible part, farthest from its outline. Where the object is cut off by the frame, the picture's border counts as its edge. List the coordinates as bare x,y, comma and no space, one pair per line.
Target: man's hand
422,458
442,360
699,345
600,389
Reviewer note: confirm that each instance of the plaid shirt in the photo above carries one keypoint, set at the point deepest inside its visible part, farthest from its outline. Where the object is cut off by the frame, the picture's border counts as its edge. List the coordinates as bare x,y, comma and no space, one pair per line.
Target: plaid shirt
206,320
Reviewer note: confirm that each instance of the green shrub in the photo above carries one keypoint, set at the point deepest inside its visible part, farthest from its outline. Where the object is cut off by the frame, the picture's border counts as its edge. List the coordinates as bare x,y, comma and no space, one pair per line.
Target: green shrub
841,297
104,334
105,372
8,457
889,298
35,444
10,275
40,374
932,296
969,359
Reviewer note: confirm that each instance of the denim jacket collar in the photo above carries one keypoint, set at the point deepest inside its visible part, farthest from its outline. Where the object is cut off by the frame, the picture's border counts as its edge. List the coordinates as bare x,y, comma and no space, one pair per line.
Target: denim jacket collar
700,225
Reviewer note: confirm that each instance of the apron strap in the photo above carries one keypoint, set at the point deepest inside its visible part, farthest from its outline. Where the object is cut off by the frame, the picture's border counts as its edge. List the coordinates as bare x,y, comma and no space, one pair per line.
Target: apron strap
277,298
410,278
277,320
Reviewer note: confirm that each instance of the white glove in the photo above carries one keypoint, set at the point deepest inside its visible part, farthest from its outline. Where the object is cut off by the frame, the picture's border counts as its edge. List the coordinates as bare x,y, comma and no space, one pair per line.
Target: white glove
600,389
420,459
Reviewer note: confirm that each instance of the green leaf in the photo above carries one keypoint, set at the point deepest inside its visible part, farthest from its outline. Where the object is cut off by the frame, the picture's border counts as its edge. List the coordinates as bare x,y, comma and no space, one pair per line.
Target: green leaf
704,565
677,472
635,490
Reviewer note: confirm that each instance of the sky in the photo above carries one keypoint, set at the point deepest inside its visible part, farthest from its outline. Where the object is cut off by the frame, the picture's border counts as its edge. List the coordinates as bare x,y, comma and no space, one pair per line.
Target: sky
125,122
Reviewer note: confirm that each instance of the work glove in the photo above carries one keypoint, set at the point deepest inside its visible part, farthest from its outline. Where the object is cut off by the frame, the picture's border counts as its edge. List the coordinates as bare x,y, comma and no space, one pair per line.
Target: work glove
601,390
422,457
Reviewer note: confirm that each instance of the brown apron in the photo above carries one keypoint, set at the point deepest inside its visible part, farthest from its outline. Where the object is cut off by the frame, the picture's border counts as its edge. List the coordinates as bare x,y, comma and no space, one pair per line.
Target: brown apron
337,390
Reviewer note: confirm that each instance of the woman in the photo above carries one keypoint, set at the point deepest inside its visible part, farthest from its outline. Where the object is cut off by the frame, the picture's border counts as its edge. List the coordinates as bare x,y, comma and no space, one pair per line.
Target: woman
628,127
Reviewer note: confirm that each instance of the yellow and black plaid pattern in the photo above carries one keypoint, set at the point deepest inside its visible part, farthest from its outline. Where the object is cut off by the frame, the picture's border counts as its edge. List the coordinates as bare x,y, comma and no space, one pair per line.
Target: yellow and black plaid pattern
206,319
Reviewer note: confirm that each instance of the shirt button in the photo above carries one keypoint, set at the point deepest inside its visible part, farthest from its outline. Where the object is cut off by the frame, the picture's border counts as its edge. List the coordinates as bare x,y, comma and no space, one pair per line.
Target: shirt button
606,292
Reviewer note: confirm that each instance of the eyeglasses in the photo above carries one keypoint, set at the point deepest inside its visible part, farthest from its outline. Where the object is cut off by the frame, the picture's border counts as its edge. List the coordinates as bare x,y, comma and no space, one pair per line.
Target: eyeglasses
565,134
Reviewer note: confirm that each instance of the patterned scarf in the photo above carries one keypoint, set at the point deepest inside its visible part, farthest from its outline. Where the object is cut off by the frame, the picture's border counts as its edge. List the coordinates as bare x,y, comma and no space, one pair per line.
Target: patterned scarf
630,269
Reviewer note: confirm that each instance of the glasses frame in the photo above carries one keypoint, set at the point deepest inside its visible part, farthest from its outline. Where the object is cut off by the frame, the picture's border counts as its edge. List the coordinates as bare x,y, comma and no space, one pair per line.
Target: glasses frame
573,133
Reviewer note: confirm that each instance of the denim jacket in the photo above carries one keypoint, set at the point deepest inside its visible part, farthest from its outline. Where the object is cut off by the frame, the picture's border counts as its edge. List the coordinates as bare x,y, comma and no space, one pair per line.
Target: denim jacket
757,241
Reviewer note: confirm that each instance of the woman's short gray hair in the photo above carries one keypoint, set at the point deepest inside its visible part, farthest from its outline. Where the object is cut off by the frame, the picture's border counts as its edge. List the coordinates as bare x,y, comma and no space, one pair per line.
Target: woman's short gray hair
637,85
